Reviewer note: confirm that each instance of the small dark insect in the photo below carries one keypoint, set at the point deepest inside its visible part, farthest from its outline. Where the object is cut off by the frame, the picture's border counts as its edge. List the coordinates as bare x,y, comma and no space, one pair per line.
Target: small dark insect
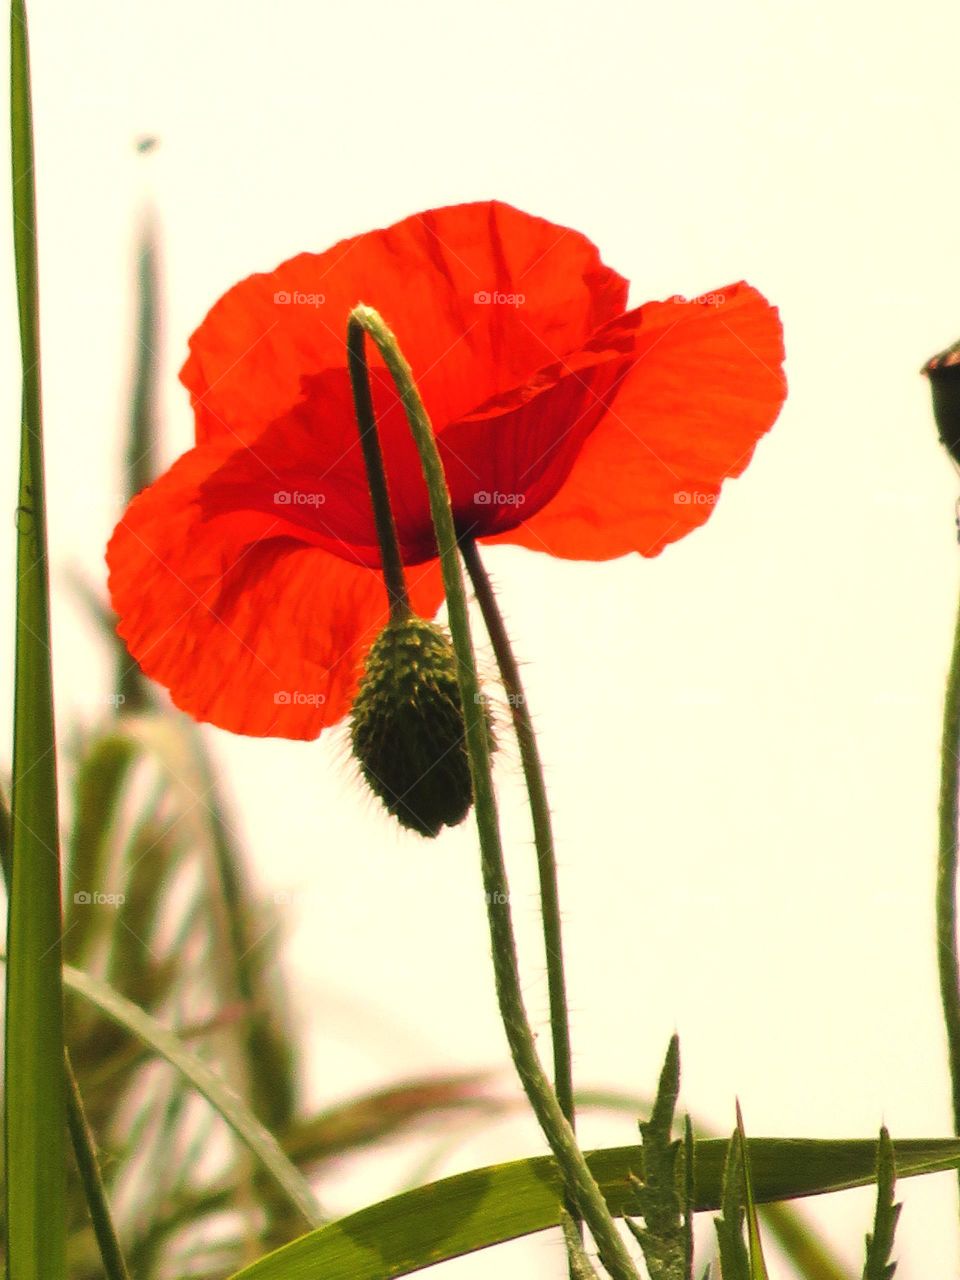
943,370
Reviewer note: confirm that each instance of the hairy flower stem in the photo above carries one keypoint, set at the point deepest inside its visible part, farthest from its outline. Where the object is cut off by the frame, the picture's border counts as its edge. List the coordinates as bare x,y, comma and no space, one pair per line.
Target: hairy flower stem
580,1183
542,826
376,476
947,959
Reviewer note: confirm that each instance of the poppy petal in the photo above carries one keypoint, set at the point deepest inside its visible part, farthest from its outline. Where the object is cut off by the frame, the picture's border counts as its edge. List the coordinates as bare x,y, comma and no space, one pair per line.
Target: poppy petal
248,627
508,459
706,385
474,293
502,463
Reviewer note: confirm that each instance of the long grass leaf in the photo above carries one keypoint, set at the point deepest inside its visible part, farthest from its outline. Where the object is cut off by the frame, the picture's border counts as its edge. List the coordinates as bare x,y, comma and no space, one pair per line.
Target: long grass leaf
484,1207
758,1266
34,1070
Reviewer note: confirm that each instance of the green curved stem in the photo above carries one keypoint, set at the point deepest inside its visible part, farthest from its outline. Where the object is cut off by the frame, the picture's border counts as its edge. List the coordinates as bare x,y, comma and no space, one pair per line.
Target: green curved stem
581,1185
540,813
376,476
947,959
542,825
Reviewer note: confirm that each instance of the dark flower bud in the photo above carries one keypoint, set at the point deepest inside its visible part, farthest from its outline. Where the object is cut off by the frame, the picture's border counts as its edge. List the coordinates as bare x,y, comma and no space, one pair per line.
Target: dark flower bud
943,370
407,727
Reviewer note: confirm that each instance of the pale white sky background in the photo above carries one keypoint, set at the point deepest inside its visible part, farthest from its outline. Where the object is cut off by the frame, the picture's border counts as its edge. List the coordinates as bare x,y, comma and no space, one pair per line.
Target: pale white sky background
742,735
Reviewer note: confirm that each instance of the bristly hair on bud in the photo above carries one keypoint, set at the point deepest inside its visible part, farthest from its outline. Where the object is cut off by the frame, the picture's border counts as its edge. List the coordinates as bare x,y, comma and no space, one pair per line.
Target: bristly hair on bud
407,727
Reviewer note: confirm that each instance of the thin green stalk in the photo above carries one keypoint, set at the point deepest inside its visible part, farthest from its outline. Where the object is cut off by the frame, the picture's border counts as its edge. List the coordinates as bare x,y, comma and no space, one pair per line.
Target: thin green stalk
85,1151
376,476
35,1095
947,958
542,826
540,813
580,1183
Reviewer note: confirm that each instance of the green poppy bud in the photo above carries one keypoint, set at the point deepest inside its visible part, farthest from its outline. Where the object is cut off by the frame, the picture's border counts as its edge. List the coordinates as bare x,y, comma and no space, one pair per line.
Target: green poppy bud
407,727
943,370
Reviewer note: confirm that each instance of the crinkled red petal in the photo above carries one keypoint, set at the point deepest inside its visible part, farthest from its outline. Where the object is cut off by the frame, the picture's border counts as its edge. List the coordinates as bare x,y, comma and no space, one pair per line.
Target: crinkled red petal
707,383
475,293
248,626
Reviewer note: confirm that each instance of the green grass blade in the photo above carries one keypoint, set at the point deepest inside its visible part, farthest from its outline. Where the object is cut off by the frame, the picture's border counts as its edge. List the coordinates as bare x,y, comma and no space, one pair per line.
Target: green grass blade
85,1153
502,1202
235,1112
35,1092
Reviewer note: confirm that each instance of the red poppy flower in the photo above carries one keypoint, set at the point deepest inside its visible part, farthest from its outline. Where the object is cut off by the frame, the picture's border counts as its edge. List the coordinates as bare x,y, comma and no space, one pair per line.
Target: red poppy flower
246,578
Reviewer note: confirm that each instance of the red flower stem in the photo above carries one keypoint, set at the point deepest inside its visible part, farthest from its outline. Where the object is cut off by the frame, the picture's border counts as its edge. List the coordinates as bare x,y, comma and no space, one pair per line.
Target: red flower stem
946,900
376,476
580,1183
540,815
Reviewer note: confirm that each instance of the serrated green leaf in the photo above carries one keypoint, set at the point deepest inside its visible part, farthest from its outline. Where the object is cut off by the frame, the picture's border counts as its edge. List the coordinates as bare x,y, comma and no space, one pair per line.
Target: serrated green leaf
880,1243
663,1236
734,1258
805,1249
